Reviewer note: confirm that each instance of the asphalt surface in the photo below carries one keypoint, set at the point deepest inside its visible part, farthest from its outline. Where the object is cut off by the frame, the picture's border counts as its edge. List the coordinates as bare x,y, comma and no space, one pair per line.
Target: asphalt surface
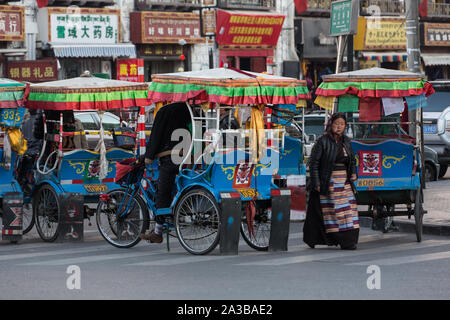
407,270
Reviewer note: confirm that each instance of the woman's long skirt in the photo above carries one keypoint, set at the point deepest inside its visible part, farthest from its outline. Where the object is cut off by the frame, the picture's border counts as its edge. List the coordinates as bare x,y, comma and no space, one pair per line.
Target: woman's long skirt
332,219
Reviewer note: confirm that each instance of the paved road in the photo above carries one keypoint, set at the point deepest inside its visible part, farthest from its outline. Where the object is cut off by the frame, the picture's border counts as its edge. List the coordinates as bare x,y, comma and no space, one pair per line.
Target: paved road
408,270
436,202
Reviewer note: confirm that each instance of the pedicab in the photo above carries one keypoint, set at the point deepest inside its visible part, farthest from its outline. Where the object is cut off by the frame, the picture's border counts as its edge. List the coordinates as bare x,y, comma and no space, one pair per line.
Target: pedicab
65,165
388,147
12,145
219,164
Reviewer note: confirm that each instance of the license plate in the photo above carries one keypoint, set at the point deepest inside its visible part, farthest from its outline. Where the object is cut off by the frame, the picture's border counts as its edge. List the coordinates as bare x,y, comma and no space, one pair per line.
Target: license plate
370,183
95,188
429,128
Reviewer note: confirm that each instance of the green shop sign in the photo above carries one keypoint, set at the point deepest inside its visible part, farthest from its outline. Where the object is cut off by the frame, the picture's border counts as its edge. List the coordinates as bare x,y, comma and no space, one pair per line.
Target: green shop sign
83,26
344,17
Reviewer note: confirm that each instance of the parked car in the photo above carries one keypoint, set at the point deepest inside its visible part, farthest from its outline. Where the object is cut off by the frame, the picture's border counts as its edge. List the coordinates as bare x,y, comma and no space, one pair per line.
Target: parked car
436,123
314,127
432,166
91,126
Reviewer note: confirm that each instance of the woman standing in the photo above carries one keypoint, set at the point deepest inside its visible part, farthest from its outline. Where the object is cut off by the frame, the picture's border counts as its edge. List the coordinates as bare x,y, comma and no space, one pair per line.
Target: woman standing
332,214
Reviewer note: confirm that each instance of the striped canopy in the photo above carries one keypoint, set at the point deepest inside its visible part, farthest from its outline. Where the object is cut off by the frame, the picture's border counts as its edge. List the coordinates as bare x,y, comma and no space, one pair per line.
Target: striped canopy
87,93
375,83
227,86
11,93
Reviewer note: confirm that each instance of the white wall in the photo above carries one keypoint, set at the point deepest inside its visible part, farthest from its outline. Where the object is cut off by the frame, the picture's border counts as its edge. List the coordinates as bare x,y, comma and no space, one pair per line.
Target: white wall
286,43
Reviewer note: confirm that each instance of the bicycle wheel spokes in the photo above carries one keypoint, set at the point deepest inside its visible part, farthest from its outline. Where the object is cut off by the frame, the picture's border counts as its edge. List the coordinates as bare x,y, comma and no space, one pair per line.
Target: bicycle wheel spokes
197,222
47,213
261,227
122,219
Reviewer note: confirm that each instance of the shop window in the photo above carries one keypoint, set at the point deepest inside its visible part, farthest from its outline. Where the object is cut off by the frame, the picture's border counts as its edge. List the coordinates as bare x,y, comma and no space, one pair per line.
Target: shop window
244,63
390,65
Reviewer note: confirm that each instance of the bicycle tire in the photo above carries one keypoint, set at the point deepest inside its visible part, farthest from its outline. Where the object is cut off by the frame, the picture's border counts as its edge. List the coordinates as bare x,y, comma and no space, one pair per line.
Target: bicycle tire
46,213
128,228
262,225
28,226
190,212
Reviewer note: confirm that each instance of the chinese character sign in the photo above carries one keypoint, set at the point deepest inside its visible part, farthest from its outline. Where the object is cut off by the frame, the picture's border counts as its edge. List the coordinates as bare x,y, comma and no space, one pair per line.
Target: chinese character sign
33,70
94,26
165,27
12,23
248,29
437,34
385,33
130,70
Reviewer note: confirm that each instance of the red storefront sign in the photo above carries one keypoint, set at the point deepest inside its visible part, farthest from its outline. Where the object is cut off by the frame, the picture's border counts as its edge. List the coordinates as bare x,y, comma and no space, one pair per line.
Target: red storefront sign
33,70
130,70
165,27
12,23
248,29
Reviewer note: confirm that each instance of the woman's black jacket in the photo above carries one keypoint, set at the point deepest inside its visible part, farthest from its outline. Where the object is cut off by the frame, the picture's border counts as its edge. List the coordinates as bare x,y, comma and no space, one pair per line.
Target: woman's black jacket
321,162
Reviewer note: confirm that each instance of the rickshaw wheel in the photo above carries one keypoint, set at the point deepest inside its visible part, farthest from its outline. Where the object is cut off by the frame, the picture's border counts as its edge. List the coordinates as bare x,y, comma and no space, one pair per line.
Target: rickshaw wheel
261,225
122,232
46,213
418,214
197,221
28,218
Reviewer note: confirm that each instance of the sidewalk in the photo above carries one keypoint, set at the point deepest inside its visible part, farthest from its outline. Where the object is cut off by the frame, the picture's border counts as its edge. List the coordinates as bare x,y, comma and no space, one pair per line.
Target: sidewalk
437,204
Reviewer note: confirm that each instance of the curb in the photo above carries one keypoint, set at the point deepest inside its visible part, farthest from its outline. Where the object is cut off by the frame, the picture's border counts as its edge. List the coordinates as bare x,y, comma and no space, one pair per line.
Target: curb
410,227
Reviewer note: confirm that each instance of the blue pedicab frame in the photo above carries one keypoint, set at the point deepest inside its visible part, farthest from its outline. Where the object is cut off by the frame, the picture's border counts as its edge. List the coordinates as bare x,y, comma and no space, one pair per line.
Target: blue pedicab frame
390,173
228,173
10,118
60,173
72,171
390,167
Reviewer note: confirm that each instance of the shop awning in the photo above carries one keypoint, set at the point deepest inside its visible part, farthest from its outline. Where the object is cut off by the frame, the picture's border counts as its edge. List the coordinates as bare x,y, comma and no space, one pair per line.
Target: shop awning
94,51
385,56
435,59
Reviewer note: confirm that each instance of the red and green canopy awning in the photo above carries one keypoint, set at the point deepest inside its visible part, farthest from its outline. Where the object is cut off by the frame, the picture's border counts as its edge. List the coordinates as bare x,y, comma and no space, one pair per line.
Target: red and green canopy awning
227,86
12,93
374,83
87,93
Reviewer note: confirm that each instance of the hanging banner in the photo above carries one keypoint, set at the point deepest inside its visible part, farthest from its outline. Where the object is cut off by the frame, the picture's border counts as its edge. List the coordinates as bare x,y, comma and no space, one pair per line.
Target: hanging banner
79,25
130,70
248,29
209,22
12,23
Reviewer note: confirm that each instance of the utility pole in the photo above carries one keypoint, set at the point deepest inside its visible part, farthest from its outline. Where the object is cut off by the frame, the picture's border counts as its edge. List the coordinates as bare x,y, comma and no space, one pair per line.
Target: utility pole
413,51
350,53
412,35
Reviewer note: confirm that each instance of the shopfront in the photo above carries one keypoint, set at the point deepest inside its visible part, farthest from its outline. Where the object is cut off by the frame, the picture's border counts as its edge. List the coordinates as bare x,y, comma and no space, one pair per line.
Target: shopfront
435,49
164,40
83,39
381,42
247,40
12,29
318,50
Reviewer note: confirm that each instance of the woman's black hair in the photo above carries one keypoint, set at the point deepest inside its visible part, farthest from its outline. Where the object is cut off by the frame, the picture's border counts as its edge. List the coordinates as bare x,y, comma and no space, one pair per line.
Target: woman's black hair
334,117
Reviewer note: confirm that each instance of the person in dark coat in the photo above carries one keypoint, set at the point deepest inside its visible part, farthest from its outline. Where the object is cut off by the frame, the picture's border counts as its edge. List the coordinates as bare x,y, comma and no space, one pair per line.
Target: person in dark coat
161,146
332,214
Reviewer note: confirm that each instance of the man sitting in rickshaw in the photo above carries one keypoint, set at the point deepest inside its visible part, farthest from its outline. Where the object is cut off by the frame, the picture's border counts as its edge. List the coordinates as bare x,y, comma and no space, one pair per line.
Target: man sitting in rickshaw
161,146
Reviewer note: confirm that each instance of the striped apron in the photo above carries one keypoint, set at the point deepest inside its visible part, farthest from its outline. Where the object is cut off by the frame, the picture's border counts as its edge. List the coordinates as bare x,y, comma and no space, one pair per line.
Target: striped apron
339,209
